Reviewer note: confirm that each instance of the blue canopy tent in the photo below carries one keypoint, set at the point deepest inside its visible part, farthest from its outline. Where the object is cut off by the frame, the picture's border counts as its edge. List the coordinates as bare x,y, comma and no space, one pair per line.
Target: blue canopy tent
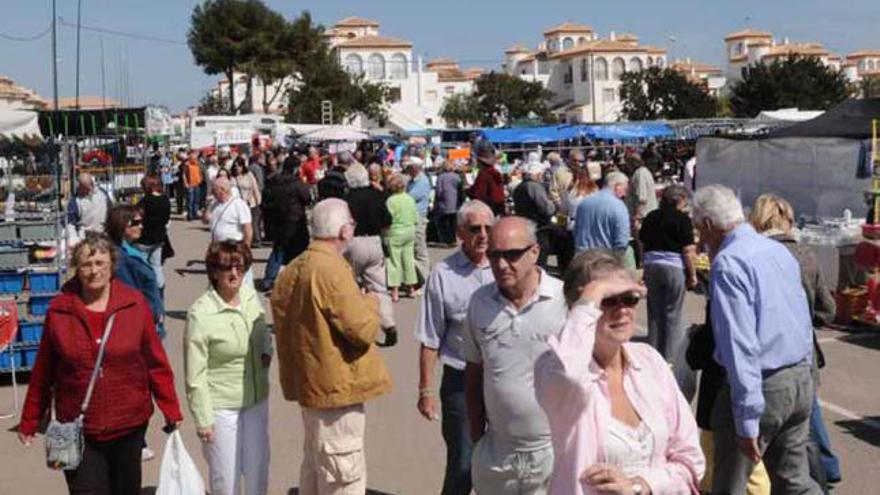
527,135
626,131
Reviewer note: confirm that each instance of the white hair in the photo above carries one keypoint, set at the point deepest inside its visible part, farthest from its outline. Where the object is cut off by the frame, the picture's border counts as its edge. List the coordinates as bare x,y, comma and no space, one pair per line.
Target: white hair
357,176
614,178
471,207
328,218
719,205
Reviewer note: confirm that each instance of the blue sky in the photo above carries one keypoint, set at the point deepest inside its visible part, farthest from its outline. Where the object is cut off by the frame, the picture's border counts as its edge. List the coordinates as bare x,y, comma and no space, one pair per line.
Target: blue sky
476,32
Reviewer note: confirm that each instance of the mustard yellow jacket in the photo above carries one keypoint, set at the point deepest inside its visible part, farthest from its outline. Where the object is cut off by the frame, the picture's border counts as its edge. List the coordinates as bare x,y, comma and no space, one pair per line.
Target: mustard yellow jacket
325,331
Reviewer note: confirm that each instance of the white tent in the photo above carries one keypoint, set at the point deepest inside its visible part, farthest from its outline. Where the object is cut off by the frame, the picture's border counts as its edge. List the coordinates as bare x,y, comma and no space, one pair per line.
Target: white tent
337,134
787,115
19,124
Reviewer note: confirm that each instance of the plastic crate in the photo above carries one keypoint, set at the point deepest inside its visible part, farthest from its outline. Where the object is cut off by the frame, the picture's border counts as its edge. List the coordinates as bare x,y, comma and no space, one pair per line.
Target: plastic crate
6,359
44,281
13,257
11,282
28,231
29,357
30,331
8,232
38,305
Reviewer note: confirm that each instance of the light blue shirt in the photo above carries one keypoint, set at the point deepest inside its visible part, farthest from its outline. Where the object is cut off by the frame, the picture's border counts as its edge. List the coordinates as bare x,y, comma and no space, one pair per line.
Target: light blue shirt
442,311
601,221
420,190
760,318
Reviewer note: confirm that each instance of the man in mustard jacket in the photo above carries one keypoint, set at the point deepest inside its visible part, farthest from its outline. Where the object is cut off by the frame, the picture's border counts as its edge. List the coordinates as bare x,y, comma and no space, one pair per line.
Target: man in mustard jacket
325,331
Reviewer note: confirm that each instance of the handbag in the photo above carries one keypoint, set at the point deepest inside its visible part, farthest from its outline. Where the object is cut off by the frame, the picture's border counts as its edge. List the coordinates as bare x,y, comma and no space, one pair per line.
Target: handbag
65,441
167,249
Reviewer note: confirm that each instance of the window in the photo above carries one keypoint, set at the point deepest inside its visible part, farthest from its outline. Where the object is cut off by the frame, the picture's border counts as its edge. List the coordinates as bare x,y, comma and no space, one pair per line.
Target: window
543,67
862,65
200,123
567,43
585,70
449,90
569,74
609,95
393,95
397,66
618,67
650,61
659,62
635,64
870,65
601,68
376,67
554,45
354,64
582,41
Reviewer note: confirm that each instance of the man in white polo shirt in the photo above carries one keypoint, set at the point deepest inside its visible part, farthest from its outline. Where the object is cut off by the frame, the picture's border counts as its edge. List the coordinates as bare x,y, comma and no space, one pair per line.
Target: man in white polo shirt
507,327
229,216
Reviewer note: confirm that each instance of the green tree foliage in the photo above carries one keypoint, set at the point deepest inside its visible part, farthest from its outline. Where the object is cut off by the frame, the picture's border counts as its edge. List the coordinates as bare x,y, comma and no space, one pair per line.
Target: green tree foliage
869,87
228,36
212,104
657,93
801,82
502,98
461,110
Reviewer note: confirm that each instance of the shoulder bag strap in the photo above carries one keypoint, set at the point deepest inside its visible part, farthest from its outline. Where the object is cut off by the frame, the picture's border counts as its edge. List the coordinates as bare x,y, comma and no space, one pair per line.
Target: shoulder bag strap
215,220
97,369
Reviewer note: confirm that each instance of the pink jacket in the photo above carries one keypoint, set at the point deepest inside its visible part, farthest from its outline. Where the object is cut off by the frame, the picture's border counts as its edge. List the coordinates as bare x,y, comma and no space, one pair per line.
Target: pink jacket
572,390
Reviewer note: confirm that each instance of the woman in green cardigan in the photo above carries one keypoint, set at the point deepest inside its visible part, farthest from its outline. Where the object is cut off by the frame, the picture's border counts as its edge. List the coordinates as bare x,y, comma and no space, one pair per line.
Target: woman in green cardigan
228,349
400,239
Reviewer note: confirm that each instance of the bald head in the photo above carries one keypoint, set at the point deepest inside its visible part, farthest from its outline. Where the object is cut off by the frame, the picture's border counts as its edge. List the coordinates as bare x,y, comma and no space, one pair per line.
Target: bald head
84,184
513,254
517,230
221,188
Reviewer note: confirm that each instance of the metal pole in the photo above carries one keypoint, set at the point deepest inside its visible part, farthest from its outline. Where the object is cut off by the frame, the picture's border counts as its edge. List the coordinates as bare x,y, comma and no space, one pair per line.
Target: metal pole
78,30
592,87
54,57
103,87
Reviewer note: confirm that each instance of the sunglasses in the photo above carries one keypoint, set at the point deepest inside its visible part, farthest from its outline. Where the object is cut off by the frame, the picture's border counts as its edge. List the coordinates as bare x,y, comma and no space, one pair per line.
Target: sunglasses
228,268
477,229
135,222
627,299
509,255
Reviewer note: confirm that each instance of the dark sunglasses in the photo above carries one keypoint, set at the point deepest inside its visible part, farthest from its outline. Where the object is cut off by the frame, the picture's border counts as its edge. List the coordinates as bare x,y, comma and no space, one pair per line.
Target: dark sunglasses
135,222
509,255
477,229
229,268
627,299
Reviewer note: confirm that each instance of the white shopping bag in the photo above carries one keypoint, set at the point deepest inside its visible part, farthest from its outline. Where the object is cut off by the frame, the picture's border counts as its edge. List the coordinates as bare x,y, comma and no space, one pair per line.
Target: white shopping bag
178,474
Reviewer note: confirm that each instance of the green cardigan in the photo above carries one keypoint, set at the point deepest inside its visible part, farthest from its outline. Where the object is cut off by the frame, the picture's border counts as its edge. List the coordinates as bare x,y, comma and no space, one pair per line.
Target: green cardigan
223,348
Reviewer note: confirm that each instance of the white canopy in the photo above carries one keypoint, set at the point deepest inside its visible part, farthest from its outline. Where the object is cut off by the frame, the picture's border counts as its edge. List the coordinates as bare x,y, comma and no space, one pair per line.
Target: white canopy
788,115
337,134
19,123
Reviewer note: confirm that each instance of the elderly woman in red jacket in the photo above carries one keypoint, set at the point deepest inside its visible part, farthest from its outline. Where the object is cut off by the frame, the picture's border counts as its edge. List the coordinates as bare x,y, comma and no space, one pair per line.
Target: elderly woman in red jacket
135,372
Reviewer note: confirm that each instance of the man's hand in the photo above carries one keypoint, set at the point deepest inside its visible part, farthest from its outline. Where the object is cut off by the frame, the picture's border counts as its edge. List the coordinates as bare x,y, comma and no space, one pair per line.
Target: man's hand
692,282
607,479
428,407
749,448
267,360
206,435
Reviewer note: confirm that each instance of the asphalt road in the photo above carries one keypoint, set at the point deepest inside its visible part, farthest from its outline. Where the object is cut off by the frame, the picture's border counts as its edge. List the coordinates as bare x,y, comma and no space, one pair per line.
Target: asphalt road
405,453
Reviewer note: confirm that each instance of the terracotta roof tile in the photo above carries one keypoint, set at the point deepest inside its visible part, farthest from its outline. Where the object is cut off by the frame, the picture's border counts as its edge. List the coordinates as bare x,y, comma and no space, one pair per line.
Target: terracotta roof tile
568,27
748,33
373,41
863,53
602,46
354,21
517,49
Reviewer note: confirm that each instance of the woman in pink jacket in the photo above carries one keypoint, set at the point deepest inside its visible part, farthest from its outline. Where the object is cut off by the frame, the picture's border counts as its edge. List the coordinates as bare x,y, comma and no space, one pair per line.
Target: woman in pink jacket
618,421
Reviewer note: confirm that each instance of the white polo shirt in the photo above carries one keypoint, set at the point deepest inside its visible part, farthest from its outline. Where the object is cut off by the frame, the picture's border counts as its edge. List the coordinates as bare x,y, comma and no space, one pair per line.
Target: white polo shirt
228,220
507,342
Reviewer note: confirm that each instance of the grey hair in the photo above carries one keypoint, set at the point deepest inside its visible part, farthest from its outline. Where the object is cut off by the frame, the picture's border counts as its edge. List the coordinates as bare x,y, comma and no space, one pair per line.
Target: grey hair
328,218
344,158
375,168
85,179
614,178
719,205
586,267
673,194
92,244
471,207
357,176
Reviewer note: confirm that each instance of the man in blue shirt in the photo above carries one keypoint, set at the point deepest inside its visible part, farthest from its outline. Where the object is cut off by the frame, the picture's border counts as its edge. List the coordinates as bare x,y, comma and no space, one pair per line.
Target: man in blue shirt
602,220
419,187
764,341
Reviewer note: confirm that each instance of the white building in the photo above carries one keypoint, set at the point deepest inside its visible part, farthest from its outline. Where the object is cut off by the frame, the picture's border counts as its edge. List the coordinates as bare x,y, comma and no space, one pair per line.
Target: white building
710,76
15,97
418,91
583,70
749,47
861,65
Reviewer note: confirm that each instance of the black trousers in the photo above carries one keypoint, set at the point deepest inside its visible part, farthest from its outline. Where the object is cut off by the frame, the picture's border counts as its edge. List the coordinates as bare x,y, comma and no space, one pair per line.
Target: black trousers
109,468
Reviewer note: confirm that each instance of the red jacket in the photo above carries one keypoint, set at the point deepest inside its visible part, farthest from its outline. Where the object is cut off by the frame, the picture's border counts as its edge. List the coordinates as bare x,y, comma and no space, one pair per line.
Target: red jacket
489,188
135,369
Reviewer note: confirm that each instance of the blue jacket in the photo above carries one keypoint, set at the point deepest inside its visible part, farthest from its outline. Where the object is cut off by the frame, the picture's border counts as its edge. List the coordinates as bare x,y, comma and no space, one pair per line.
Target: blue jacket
134,270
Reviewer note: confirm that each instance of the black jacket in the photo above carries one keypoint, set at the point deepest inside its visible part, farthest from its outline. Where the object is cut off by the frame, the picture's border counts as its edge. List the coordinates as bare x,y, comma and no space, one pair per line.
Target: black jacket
368,209
284,209
333,185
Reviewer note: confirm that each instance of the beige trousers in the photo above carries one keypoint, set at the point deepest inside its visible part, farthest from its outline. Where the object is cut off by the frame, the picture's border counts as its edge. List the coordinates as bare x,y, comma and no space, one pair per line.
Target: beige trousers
333,452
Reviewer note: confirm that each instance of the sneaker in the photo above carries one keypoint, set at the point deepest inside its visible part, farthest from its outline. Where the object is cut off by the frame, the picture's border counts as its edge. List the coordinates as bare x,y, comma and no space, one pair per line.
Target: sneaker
390,338
147,454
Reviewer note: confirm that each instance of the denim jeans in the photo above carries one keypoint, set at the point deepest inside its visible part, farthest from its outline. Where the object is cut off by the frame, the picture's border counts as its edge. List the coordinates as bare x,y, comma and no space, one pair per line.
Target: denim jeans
192,202
273,266
819,436
457,480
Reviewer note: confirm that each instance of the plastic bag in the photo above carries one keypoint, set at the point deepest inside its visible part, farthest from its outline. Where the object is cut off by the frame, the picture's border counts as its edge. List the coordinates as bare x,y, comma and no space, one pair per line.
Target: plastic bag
178,474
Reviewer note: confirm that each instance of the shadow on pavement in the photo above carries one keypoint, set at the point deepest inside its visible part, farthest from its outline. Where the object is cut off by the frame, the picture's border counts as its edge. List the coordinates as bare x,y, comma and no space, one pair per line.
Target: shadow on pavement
865,431
176,315
869,339
295,491
148,490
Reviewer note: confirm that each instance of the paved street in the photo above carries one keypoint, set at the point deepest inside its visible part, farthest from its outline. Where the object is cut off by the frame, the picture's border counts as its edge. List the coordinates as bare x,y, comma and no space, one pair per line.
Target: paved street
405,453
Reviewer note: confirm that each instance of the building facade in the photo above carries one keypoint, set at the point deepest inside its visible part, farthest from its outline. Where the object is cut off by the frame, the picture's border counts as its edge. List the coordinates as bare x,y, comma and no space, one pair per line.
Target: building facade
15,97
582,69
